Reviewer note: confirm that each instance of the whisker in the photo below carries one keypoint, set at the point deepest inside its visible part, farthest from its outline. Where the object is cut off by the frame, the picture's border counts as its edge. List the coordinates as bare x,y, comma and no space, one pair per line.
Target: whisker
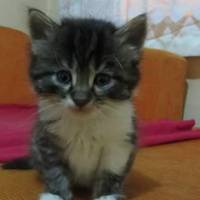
45,108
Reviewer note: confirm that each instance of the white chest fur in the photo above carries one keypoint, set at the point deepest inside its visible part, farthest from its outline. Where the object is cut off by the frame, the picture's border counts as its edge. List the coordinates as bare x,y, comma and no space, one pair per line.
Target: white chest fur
85,139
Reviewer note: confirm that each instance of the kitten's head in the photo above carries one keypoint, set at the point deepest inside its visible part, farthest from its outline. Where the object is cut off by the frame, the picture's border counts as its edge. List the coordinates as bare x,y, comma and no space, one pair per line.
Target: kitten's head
85,63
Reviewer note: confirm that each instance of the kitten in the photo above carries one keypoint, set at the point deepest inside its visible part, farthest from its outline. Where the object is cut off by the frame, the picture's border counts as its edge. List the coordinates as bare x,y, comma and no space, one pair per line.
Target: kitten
84,72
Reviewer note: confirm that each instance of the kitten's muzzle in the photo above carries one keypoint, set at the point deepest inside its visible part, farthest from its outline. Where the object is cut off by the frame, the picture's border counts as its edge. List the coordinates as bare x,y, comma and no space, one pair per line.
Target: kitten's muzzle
81,98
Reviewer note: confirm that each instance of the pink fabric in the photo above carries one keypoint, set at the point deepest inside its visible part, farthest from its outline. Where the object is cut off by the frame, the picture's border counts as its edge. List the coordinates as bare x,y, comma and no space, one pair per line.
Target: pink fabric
16,124
166,131
15,128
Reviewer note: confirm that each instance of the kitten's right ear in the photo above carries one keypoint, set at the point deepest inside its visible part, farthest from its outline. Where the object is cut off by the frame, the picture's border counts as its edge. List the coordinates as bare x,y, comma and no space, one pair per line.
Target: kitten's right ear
40,24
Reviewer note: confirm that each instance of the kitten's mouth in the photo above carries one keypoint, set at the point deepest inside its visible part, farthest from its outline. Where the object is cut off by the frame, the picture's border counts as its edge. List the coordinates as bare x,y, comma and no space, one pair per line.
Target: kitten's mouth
81,110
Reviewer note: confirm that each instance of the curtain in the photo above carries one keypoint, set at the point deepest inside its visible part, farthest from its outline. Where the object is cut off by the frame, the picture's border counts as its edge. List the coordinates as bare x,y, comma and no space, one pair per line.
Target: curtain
173,25
117,11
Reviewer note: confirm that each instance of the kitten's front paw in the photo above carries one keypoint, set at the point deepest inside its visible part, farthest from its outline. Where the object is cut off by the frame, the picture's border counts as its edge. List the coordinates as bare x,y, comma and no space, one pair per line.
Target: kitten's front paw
49,196
111,197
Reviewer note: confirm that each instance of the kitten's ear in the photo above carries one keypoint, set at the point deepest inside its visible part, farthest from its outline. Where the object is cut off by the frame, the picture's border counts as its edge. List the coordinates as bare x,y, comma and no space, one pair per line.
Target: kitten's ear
40,24
133,33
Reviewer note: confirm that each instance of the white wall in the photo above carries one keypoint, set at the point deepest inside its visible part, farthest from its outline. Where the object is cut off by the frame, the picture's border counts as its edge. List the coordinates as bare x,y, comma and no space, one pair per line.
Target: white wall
192,105
13,13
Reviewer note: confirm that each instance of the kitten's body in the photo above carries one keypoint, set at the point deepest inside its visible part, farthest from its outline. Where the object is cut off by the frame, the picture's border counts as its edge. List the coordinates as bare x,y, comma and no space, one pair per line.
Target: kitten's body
84,72
87,141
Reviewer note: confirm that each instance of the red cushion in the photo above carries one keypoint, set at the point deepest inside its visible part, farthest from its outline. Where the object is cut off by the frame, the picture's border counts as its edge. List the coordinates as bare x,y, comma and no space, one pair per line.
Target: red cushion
15,129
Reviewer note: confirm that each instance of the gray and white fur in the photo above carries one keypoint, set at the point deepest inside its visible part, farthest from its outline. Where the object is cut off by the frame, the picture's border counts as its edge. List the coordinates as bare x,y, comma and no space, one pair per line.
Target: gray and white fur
84,72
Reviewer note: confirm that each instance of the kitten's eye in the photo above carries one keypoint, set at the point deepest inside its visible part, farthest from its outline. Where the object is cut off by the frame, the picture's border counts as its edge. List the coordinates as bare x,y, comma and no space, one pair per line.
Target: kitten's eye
64,77
103,80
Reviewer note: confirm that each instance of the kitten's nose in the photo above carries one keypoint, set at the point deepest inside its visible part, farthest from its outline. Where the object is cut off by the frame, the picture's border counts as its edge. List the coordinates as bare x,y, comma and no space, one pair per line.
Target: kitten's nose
81,98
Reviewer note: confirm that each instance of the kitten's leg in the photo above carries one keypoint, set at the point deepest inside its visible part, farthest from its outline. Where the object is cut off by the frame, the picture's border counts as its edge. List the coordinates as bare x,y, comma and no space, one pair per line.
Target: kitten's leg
47,162
108,186
115,164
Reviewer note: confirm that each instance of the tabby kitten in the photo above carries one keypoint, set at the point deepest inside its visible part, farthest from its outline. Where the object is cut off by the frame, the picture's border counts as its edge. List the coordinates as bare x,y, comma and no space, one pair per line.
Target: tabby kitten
84,72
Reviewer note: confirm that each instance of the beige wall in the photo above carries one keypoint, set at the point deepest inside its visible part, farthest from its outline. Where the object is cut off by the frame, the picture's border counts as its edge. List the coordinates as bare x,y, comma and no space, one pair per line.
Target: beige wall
13,13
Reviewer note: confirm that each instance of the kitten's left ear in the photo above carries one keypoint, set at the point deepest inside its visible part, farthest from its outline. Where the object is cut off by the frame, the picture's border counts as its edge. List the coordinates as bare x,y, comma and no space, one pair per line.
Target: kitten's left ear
133,33
40,24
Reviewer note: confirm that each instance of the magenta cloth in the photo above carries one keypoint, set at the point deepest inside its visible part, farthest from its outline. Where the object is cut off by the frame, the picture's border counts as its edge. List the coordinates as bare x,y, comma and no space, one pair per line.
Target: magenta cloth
15,131
16,123
166,131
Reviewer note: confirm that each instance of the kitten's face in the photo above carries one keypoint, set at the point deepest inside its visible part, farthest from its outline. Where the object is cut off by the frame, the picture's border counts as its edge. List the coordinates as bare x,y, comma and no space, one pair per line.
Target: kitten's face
85,63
